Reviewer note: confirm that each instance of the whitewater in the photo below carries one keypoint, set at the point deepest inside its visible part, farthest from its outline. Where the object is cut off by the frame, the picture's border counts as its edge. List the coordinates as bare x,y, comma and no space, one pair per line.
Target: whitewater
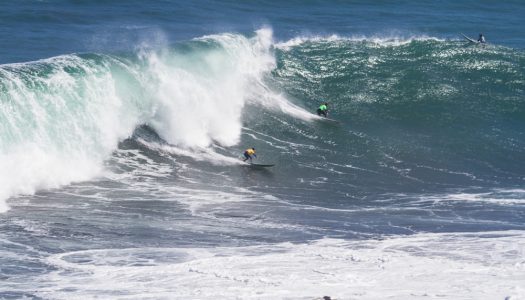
64,116
121,177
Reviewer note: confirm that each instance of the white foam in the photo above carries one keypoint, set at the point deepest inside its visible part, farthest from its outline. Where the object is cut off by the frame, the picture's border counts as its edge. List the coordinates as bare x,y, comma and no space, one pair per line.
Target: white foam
202,103
378,40
198,153
445,266
496,196
60,134
297,41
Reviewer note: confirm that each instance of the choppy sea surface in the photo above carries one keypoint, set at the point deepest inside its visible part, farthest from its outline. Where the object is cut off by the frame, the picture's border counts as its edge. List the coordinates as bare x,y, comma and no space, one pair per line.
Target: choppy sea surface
122,124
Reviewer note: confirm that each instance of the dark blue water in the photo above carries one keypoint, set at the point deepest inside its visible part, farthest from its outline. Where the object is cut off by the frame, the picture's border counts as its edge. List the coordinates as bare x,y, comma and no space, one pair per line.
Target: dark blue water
33,30
122,124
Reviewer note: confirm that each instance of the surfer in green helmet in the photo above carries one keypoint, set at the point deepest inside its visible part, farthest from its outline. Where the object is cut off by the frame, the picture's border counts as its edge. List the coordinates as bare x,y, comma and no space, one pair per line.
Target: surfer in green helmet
323,110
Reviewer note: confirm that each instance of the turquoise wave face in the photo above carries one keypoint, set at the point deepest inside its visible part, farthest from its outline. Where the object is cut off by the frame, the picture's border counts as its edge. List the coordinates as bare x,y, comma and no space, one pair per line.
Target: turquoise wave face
432,104
429,76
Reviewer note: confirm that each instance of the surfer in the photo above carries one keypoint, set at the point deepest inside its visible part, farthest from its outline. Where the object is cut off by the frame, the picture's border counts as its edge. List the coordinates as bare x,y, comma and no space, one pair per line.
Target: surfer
248,154
481,38
323,110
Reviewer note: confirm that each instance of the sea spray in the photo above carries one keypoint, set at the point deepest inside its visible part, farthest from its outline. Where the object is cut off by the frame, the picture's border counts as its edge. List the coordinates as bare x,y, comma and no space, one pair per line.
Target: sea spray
200,95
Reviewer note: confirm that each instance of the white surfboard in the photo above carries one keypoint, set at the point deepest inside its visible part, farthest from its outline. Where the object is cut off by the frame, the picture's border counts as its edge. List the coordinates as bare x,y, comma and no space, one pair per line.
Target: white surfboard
469,39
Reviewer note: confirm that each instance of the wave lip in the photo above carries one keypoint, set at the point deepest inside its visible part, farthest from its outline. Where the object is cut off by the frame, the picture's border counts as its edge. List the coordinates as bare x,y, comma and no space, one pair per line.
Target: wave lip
200,96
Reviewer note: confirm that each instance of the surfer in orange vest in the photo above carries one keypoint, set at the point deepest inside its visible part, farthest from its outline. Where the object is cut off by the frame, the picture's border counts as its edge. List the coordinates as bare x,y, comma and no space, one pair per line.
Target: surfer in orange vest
249,153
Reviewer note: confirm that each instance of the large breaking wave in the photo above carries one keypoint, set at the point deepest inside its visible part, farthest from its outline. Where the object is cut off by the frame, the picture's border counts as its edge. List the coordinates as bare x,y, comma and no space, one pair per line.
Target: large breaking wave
62,117
420,107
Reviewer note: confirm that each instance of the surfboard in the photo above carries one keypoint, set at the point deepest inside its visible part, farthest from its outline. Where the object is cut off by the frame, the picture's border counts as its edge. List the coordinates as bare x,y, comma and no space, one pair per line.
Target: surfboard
329,120
259,165
469,39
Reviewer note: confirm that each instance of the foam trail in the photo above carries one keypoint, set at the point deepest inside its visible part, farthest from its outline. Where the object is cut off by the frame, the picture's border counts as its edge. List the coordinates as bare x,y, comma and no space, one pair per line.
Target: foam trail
197,154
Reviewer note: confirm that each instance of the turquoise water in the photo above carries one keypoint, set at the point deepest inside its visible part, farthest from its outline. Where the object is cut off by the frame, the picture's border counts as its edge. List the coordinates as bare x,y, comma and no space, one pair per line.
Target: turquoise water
121,128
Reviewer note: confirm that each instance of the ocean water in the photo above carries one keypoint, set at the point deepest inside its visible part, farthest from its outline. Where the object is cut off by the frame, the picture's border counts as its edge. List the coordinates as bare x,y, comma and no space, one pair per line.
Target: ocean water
122,124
